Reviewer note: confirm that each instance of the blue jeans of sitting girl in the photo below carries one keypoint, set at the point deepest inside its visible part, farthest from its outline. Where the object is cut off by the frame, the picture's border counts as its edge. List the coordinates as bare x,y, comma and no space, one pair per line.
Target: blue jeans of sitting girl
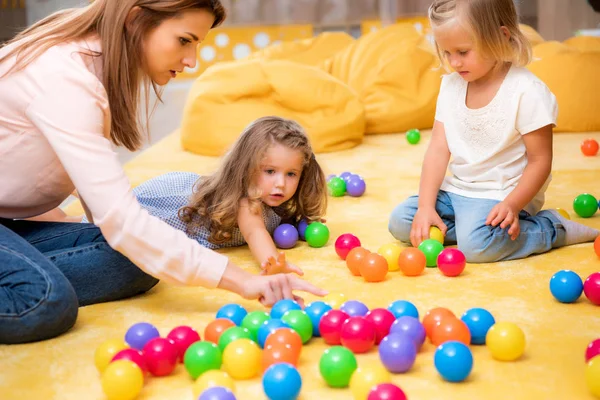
465,218
49,269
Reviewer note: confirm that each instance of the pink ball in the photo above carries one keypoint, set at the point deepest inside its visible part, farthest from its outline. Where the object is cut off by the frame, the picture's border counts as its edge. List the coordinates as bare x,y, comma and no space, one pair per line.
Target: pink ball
358,334
592,350
183,337
591,288
386,391
382,320
451,262
344,243
134,356
161,356
330,326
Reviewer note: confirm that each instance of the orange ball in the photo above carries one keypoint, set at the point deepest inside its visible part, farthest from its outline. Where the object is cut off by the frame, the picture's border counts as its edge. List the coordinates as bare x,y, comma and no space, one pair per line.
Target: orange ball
412,261
278,353
450,329
355,257
597,246
374,268
433,316
589,147
285,337
213,330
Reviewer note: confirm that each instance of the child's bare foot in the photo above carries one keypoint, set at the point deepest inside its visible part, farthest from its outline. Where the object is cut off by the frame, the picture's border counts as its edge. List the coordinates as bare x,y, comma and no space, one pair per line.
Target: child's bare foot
575,232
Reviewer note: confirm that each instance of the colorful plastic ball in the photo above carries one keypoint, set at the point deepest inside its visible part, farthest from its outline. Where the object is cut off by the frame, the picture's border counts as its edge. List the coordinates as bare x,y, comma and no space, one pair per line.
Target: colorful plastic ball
346,175
566,286
336,187
386,391
413,136
288,338
300,322
106,351
432,249
355,257
233,312
183,337
382,320
436,234
122,380
451,262
267,328
302,225
201,357
505,341
139,334
242,359
401,308
217,393
453,361
134,356
331,176
317,234
283,306
591,288
563,212
412,261
597,246
276,354
344,243
355,186
364,378
315,311
410,327
232,334
592,350
358,334
479,321
331,326
335,299
282,382
212,378
397,352
592,376
391,253
450,330
215,328
354,308
253,321
374,268
589,147
585,205
337,364
161,356
285,236
433,316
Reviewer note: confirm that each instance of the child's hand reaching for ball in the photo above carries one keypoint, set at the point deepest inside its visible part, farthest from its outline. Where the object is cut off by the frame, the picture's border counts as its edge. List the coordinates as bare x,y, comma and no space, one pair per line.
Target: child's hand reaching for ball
279,265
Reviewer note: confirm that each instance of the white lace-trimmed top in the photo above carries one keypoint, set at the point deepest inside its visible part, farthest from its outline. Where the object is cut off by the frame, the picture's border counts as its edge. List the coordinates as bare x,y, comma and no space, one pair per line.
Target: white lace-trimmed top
488,151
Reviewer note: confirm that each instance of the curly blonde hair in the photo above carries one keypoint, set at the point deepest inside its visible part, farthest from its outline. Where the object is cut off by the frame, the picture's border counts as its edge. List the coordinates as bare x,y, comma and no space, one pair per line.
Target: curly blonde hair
216,198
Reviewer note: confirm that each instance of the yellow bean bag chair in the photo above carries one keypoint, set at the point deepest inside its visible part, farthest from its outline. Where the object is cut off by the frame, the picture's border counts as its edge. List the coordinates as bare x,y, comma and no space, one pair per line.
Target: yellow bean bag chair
572,72
228,96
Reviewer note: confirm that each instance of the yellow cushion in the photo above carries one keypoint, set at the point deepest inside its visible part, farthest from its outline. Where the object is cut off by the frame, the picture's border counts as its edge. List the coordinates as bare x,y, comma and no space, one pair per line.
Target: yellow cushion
572,71
228,96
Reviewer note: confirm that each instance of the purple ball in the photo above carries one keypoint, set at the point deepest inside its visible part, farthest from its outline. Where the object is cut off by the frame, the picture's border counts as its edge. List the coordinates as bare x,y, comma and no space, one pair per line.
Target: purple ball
355,186
302,225
411,327
217,393
285,236
346,175
354,308
397,352
139,334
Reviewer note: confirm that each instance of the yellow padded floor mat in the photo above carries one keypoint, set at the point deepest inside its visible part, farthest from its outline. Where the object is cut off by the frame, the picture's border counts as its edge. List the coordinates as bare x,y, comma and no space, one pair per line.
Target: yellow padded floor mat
557,334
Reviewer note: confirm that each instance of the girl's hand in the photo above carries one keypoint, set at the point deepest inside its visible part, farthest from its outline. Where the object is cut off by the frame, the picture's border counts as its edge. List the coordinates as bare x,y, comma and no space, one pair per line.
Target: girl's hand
270,289
423,220
505,215
276,266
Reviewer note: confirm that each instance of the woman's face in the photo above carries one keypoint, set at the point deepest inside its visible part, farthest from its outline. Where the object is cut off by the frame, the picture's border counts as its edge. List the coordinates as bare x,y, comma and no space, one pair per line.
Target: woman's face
171,46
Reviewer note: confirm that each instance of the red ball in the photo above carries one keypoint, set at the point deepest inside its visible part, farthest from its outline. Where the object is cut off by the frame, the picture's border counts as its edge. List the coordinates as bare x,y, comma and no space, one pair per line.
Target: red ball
183,337
589,147
591,288
344,243
330,326
134,356
386,391
382,320
358,334
451,262
592,350
161,356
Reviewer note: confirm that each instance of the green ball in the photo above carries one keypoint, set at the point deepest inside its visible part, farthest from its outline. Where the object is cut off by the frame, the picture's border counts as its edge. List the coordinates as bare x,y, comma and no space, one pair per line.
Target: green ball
585,205
299,321
337,186
231,334
413,136
432,249
201,357
317,234
337,365
253,321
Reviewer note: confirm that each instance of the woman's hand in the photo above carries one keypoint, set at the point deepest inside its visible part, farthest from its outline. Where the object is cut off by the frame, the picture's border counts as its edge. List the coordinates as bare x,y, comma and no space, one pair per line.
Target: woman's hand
422,222
505,215
270,289
276,266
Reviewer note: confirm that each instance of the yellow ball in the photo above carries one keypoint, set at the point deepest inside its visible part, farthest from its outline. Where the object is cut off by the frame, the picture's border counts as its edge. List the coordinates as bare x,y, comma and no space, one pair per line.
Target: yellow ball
210,379
335,299
391,252
122,380
436,234
242,359
592,375
564,213
364,378
106,351
506,341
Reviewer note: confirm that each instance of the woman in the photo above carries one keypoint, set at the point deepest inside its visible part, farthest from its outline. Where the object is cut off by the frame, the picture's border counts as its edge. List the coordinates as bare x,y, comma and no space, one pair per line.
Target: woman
69,90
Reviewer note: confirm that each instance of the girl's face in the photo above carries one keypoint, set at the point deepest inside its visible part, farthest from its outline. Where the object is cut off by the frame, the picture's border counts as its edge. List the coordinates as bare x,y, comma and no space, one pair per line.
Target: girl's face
279,174
171,46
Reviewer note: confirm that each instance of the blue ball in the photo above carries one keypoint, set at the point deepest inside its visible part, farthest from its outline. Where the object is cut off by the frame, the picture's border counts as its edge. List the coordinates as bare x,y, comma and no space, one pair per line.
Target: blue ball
479,321
453,361
397,352
285,236
302,225
267,328
355,186
283,306
139,334
401,308
233,312
566,286
282,381
354,308
315,311
217,393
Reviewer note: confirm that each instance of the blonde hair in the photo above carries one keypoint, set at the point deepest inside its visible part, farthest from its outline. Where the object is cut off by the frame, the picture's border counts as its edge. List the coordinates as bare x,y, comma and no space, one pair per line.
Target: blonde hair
216,198
483,19
121,49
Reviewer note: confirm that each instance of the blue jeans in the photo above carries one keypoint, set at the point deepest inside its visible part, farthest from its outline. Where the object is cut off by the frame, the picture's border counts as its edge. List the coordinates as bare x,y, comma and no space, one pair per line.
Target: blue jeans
49,269
465,218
